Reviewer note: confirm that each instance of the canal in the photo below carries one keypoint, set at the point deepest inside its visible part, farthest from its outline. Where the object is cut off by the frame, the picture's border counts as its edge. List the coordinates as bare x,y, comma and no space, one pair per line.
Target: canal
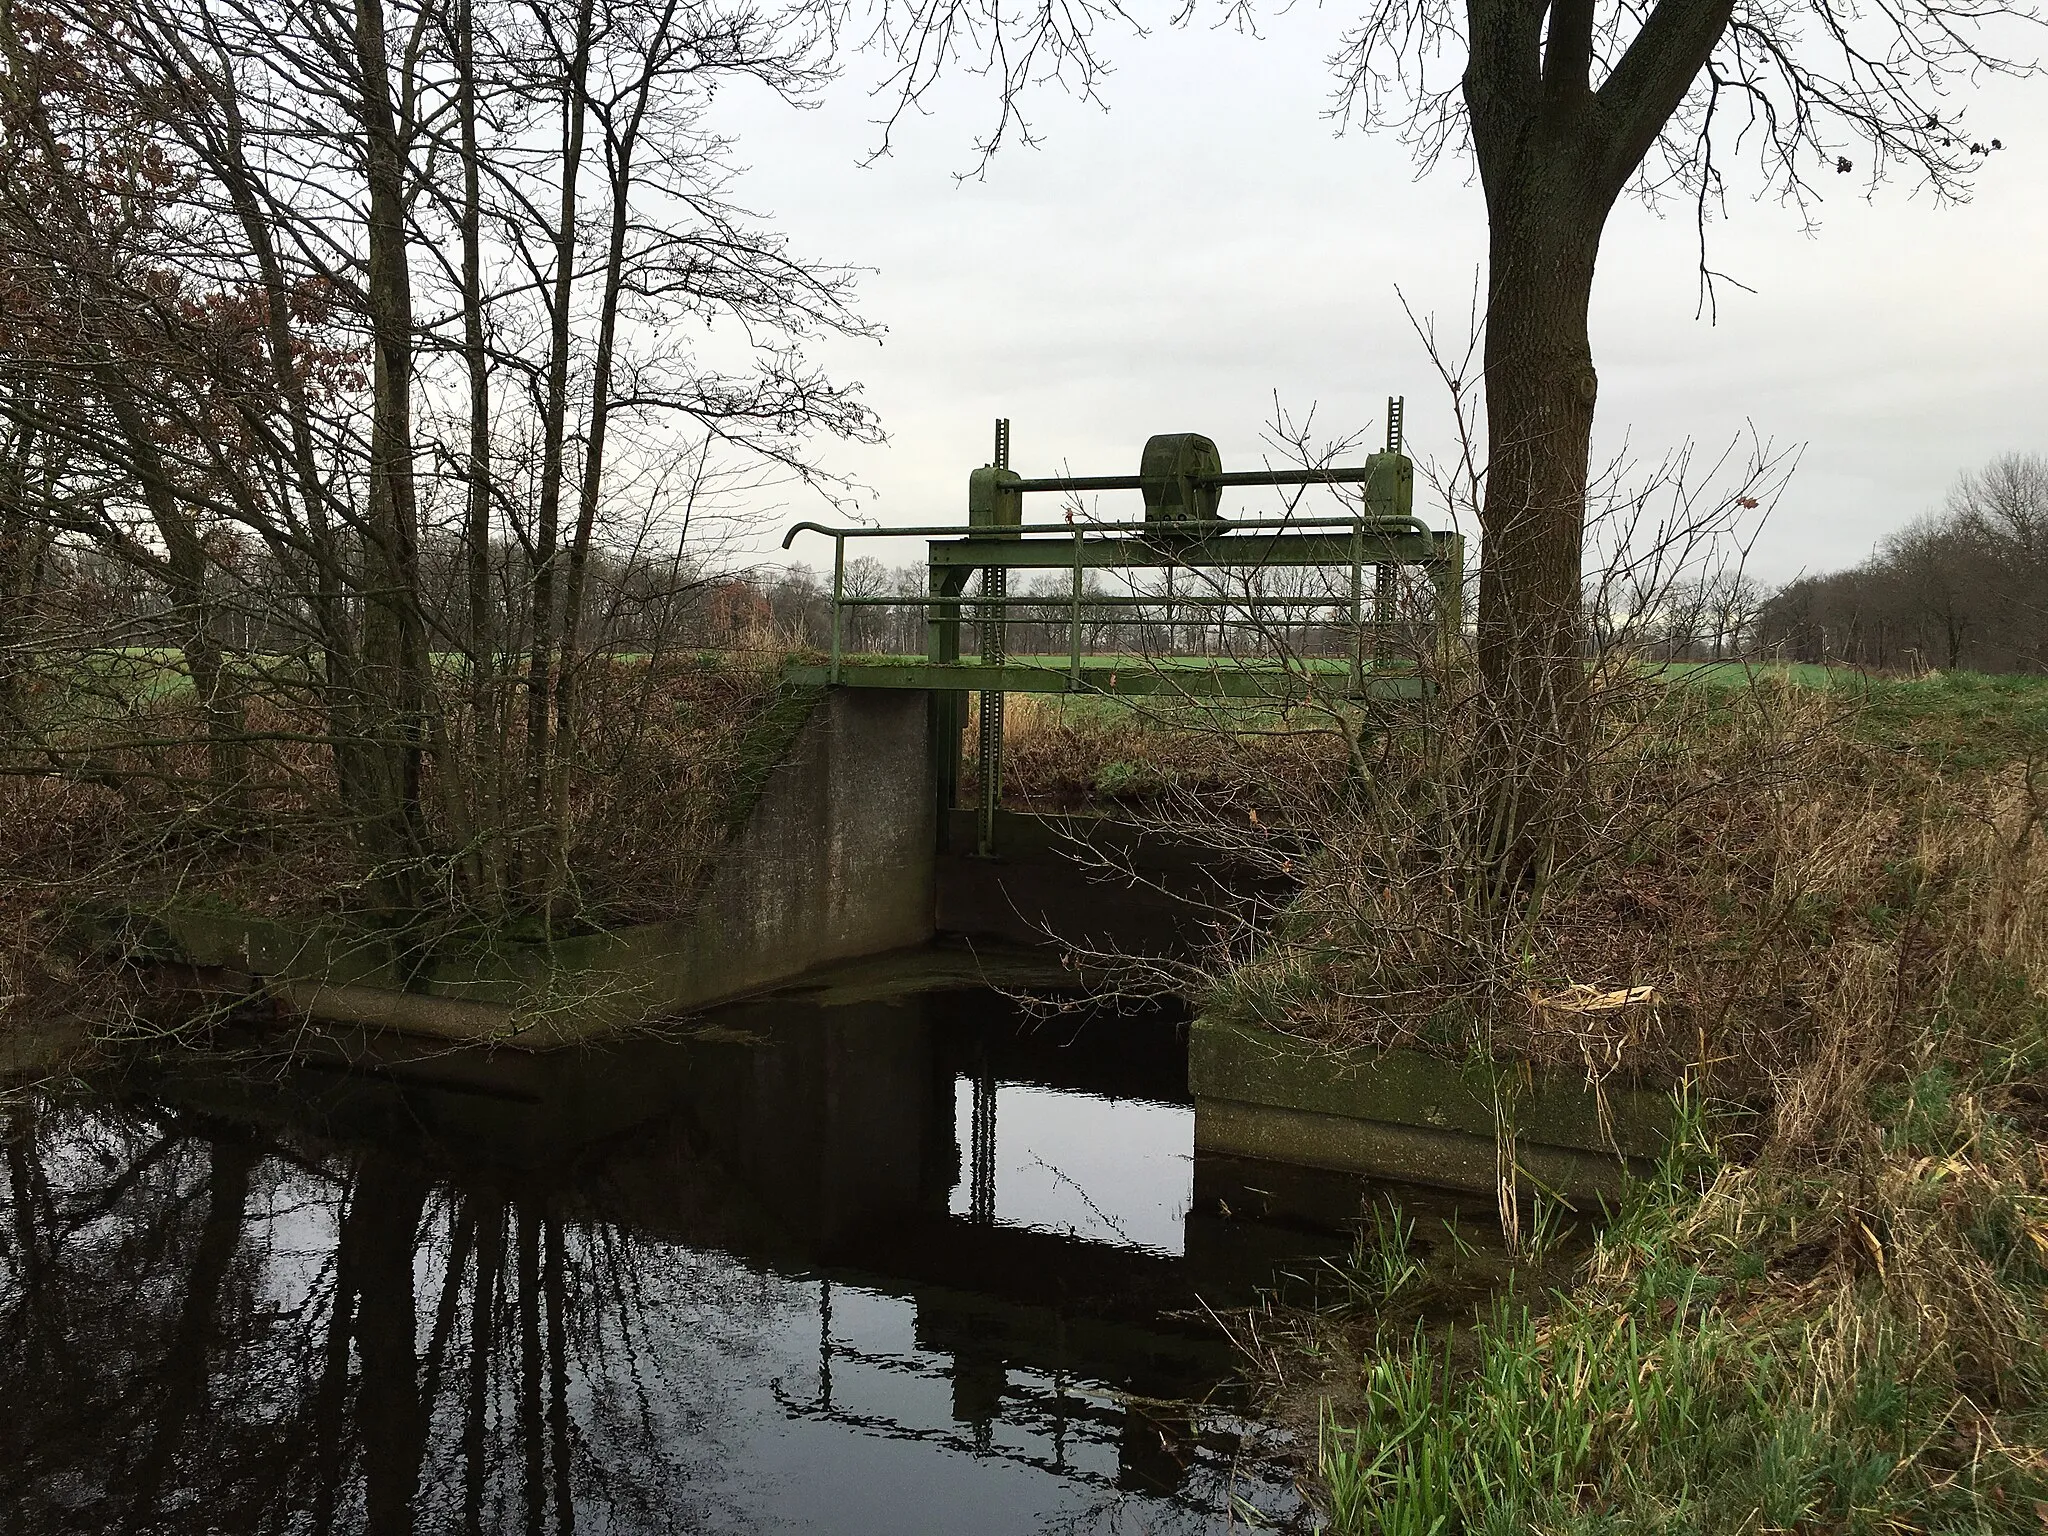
916,1265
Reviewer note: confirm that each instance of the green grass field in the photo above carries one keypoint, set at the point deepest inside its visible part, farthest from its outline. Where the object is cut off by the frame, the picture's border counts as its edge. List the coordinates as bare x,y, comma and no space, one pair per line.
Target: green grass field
1735,674
1967,720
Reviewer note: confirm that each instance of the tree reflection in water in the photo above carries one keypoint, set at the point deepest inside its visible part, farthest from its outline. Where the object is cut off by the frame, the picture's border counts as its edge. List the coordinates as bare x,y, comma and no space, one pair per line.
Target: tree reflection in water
252,1322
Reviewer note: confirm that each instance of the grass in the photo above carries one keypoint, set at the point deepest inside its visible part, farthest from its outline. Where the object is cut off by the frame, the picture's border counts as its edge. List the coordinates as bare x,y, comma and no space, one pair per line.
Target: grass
1958,720
1739,674
1965,720
1066,752
1743,1353
1828,1310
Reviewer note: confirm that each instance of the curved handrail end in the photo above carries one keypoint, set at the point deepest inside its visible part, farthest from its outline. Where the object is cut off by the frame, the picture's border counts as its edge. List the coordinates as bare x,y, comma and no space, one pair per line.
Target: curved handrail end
789,538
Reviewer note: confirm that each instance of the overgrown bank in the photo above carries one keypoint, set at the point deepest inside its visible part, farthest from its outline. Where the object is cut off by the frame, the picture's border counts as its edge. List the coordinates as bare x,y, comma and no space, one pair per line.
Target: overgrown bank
1826,1312
666,763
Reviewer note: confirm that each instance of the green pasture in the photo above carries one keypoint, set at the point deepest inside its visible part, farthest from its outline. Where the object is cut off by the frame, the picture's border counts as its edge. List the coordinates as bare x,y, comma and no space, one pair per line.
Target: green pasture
1737,674
1963,720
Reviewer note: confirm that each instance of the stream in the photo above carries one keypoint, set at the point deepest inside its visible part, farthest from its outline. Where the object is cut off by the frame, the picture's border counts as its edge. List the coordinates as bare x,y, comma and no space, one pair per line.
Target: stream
922,1265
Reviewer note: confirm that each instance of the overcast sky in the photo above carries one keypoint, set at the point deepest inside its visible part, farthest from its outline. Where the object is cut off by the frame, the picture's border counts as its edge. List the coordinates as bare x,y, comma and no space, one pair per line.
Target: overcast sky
1207,243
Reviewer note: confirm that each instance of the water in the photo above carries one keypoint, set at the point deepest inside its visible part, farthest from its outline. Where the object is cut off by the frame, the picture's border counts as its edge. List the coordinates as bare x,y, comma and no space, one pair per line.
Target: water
876,1268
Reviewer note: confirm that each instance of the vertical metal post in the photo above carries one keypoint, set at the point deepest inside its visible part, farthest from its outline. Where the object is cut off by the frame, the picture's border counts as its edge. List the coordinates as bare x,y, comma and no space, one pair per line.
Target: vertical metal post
991,737
1074,623
1357,604
948,705
1386,587
825,1344
1059,1395
995,590
838,581
1386,597
981,1176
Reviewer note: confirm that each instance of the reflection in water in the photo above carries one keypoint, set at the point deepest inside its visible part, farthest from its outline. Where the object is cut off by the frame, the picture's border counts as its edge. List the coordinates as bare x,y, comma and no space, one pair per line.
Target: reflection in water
886,1268
1114,1170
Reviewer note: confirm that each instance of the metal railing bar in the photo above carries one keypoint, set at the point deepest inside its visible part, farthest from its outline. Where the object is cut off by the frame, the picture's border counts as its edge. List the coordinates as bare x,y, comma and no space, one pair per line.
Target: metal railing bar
1211,527
1356,475
1062,601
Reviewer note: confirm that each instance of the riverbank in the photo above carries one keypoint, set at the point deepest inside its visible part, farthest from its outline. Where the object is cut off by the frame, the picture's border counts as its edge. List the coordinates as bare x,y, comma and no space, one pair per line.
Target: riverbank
1825,1310
118,853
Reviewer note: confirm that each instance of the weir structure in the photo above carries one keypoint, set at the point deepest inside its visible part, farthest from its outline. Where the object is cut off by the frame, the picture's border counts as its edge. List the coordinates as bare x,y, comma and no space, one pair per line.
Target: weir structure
840,865
1241,584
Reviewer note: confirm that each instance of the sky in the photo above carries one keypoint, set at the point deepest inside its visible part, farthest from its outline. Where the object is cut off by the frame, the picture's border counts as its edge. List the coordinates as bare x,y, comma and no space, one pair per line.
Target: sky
1210,244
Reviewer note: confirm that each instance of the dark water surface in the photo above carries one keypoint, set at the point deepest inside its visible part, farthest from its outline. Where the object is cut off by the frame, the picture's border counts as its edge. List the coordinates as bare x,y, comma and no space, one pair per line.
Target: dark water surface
893,1268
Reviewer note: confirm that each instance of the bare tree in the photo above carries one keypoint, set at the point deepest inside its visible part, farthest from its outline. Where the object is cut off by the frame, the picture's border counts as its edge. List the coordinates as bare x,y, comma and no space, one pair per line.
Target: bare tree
378,330
866,578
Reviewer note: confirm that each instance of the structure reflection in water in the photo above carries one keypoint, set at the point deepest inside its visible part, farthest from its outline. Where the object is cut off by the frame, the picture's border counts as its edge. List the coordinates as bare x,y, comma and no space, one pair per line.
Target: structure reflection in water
874,1268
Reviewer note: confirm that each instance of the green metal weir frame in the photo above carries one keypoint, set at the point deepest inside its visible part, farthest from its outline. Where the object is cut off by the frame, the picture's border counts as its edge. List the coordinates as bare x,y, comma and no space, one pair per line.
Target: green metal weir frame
1383,534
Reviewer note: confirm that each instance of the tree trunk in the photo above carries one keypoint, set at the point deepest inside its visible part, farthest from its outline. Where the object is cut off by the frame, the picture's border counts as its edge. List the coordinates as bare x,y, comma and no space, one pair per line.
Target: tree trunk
1540,393
476,1397
23,543
621,151
555,1286
481,639
532,1445
182,567
184,1372
384,1219
540,663
394,639
319,552
1553,155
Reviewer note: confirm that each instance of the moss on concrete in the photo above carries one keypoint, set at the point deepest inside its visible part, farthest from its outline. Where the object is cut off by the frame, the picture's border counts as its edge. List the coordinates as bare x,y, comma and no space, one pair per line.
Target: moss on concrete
1405,1114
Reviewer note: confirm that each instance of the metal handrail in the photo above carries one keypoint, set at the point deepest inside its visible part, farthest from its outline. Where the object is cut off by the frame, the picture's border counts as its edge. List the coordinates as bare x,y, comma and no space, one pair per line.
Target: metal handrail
1078,534
1092,600
1248,478
1212,525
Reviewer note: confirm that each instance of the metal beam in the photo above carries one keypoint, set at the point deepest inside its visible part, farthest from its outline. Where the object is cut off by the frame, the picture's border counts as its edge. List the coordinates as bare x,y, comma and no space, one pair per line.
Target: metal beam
1244,551
1224,679
1362,475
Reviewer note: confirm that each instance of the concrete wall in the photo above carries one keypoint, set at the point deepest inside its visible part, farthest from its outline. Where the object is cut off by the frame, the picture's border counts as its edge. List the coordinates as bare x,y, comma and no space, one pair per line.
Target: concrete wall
833,862
836,860
1400,1114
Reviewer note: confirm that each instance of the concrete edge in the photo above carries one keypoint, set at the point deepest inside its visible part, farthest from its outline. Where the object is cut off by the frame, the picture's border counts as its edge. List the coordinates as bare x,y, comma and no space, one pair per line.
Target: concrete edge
1248,1065
1416,1154
808,837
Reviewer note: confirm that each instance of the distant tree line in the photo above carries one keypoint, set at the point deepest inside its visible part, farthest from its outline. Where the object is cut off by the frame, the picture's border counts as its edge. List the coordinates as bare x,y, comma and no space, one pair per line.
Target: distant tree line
1963,588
